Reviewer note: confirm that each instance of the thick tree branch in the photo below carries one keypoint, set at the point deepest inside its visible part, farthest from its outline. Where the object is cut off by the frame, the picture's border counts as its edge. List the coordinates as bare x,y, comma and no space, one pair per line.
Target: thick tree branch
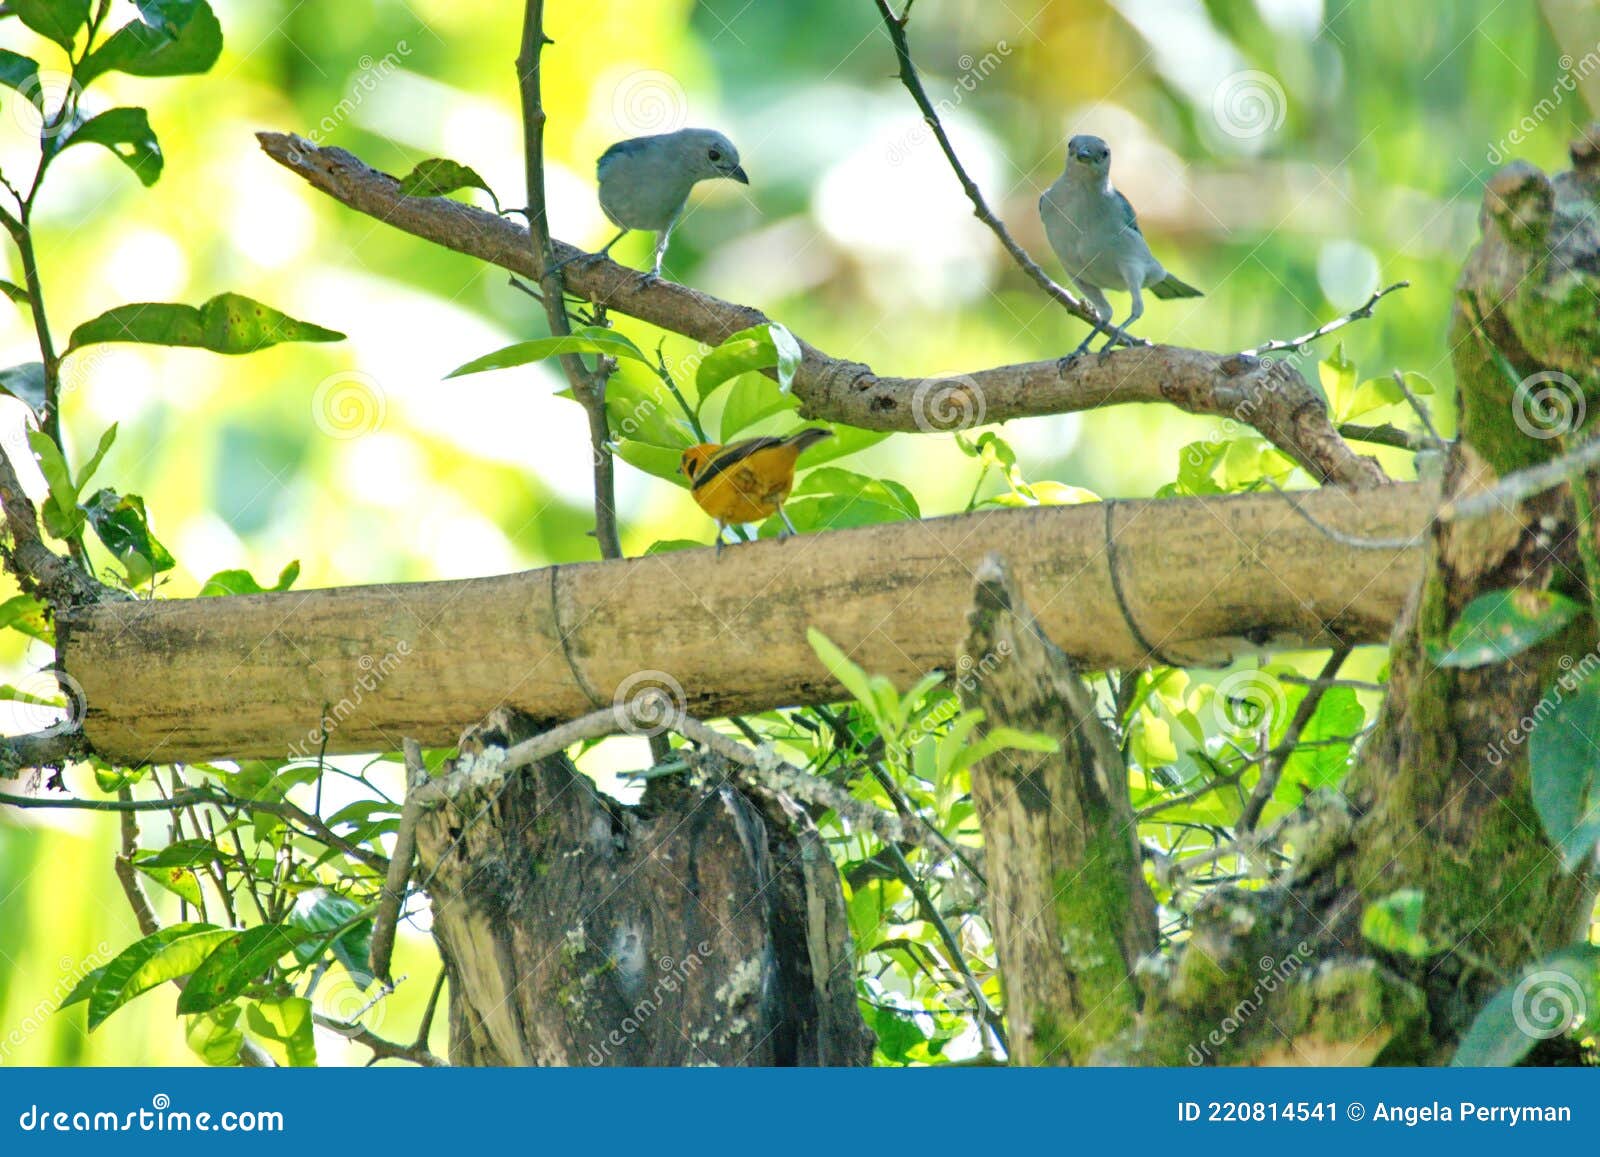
1268,395
194,679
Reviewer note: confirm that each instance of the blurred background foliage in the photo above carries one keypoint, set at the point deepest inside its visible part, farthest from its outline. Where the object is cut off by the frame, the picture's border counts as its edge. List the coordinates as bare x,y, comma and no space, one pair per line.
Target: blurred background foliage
1354,160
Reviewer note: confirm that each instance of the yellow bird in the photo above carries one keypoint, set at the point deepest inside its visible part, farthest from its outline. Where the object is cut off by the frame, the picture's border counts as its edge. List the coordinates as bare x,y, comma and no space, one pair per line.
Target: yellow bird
746,481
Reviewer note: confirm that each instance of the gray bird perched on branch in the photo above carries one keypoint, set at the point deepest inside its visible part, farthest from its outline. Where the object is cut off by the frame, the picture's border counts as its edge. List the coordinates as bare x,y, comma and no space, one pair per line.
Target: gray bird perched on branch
645,182
1094,231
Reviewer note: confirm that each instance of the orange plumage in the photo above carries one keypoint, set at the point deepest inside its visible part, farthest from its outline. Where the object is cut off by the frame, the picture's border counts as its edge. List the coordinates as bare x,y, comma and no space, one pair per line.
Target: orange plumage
746,481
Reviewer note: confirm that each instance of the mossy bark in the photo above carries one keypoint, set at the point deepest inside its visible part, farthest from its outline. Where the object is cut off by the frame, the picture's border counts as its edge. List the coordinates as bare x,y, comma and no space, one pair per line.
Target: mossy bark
705,926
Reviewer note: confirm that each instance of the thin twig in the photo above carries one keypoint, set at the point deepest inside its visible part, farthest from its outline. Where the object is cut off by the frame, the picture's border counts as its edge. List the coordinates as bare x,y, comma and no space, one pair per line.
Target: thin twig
382,1050
896,26
1521,485
1385,435
588,387
1421,411
1355,542
384,924
1278,758
1359,313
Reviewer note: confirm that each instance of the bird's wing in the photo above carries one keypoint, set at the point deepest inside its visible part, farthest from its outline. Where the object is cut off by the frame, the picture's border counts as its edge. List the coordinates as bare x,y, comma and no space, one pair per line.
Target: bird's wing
730,456
1130,219
621,149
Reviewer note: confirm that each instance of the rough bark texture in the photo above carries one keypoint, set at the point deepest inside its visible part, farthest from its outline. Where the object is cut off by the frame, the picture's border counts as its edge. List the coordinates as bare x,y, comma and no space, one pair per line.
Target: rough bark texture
704,926
258,675
1439,798
1267,394
1067,896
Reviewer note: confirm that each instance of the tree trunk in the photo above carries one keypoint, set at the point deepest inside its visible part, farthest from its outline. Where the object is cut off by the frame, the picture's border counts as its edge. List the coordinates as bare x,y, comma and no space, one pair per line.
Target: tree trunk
1438,799
704,926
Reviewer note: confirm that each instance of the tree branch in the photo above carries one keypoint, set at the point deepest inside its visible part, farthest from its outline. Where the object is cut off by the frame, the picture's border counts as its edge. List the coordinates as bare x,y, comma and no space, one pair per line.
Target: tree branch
730,635
588,386
1270,396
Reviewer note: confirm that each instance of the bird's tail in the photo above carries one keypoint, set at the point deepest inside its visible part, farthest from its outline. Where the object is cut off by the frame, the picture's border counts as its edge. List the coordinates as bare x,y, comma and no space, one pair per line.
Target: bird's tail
807,437
1169,287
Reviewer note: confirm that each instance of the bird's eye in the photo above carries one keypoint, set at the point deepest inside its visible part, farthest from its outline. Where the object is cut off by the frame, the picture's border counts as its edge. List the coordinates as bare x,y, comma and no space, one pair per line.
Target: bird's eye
716,155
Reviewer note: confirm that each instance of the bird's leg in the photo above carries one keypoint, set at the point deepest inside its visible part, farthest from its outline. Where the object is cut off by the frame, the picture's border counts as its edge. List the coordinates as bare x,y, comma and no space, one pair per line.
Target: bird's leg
591,258
1120,333
1100,307
784,514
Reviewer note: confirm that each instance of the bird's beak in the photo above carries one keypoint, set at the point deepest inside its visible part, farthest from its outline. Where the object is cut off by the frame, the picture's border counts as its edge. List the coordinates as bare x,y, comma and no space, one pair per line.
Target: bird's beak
738,174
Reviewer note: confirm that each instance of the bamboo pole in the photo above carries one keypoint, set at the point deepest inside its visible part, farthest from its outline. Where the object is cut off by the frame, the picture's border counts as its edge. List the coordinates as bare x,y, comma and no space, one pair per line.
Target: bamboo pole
267,675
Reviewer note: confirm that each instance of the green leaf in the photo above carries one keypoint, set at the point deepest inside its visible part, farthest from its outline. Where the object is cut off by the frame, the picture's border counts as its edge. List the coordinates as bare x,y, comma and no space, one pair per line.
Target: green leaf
437,176
26,384
181,882
1501,624
848,484
1563,770
322,912
175,38
1337,376
661,461
26,614
1394,923
585,340
19,72
57,19
242,582
671,545
236,962
121,523
1339,716
761,347
754,398
165,955
215,1036
839,665
127,133
62,517
179,854
1553,997
834,512
83,988
106,440
227,324
15,292
1376,393
286,1020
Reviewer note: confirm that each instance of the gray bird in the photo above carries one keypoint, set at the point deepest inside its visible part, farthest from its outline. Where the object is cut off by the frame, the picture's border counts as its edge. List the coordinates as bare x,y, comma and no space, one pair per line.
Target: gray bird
1095,232
645,182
